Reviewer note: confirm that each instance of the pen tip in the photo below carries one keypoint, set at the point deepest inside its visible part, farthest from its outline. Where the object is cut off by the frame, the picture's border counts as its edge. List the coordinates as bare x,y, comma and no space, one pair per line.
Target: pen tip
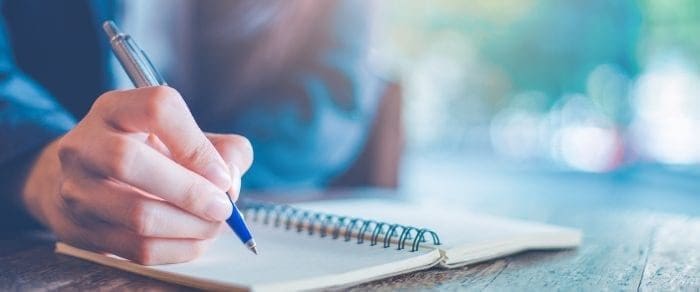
251,246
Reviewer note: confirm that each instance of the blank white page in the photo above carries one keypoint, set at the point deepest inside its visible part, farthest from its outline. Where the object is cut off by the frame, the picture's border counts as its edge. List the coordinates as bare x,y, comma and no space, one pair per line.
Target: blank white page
287,261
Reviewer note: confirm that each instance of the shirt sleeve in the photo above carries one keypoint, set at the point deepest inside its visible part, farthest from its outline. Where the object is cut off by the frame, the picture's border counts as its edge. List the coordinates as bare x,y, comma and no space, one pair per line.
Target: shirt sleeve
311,129
30,118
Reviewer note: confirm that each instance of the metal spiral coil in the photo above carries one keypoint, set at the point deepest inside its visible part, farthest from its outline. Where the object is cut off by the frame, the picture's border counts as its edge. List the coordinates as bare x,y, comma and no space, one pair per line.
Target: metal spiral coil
336,226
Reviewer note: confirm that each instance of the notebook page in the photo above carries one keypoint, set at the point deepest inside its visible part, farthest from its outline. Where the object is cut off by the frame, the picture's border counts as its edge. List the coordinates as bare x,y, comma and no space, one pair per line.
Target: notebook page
289,261
466,237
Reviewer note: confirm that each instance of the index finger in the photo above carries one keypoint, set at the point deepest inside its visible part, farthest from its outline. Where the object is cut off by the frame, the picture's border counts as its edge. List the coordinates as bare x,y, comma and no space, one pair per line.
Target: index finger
129,161
162,111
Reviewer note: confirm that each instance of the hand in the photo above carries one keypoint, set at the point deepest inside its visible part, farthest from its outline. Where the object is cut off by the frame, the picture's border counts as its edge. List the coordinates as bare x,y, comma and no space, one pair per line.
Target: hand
138,178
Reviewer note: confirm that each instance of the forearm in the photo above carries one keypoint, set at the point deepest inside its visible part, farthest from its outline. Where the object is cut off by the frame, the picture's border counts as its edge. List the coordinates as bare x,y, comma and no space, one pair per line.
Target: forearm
29,121
13,215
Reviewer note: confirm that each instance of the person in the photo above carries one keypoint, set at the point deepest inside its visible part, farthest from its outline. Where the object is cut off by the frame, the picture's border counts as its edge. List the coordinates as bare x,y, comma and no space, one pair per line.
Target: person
143,173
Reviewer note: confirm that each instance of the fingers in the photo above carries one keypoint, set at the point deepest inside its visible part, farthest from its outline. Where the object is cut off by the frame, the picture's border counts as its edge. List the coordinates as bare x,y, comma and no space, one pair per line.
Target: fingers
152,251
143,250
141,180
162,111
121,222
136,164
118,204
234,149
238,154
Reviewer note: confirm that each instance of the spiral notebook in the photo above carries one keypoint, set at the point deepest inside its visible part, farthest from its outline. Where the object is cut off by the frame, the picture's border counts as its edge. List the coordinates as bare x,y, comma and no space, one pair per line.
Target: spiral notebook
336,244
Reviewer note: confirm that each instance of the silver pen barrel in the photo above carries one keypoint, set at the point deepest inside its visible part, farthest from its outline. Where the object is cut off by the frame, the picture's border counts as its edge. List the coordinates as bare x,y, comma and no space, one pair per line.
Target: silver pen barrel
134,61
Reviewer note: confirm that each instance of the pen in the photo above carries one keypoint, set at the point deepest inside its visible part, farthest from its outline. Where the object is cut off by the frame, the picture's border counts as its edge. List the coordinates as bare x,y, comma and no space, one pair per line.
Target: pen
143,74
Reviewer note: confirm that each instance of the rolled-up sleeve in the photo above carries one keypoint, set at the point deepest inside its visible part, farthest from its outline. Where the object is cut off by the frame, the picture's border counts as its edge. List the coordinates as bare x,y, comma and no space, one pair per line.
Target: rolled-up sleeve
312,128
29,119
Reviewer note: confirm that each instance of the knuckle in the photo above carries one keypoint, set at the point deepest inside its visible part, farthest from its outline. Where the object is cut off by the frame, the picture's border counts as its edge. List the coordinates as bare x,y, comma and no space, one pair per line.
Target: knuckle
165,91
161,100
70,203
67,191
121,152
67,152
104,100
145,251
153,108
143,219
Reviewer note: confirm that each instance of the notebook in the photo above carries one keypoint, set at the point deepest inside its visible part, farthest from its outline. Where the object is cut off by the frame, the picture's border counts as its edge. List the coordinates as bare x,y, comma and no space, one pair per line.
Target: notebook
335,244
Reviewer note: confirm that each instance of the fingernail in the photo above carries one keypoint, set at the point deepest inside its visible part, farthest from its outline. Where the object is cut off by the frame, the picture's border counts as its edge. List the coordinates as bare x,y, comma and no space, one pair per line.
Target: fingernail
218,175
235,182
219,208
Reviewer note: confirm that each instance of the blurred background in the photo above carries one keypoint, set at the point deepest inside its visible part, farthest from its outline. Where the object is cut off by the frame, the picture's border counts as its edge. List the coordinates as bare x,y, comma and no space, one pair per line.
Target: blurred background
589,86
594,87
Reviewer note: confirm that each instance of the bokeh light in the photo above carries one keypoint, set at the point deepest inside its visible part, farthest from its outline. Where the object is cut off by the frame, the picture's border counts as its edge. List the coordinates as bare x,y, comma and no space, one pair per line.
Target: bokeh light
590,86
667,111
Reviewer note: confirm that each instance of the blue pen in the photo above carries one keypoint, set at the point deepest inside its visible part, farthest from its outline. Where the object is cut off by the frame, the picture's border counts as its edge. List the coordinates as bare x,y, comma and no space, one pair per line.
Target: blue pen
142,73
239,227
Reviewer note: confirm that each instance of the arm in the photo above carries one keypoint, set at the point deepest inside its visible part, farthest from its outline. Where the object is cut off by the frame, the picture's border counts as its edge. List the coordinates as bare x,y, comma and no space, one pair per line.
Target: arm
311,129
29,119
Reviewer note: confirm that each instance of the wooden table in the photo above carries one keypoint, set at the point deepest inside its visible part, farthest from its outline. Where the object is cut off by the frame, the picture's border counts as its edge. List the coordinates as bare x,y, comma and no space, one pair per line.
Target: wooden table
641,232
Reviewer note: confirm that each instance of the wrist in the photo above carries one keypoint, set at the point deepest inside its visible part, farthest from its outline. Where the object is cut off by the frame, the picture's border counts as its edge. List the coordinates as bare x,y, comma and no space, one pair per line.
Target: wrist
42,182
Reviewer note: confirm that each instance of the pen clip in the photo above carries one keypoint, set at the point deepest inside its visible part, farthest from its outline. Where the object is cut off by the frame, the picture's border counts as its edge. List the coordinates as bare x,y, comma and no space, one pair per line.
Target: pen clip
156,75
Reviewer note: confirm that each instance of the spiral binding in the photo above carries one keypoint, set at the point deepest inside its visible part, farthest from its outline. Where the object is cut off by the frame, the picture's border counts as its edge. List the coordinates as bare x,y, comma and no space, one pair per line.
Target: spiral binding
292,218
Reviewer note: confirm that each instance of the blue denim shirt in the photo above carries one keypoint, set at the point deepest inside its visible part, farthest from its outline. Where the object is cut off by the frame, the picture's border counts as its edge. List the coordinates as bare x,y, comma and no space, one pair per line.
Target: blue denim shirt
53,65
